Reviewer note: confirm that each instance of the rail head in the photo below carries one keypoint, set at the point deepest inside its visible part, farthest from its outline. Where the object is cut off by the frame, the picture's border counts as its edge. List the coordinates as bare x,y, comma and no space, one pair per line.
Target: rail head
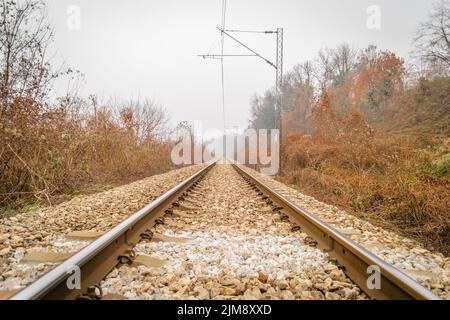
118,239
355,258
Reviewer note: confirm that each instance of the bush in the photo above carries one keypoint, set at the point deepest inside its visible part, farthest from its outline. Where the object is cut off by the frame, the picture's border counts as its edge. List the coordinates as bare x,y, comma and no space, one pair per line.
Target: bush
49,152
389,179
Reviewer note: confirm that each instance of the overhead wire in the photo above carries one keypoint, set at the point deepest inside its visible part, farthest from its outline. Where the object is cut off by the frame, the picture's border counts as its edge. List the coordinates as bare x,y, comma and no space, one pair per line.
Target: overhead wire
224,13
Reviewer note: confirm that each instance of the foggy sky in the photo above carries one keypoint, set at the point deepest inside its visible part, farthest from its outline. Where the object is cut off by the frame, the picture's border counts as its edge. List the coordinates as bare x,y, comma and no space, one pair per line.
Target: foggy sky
148,48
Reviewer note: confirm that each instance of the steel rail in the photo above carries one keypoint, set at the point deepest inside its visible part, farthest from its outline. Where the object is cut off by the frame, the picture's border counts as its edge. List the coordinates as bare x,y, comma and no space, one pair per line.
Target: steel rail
394,284
97,259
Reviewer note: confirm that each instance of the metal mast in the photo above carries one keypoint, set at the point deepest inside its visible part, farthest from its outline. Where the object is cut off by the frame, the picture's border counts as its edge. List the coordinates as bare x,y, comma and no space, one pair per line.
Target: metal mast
279,90
278,66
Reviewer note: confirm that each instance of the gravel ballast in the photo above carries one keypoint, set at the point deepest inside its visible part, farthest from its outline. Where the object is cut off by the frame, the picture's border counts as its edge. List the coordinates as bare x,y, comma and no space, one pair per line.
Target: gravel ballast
45,230
229,244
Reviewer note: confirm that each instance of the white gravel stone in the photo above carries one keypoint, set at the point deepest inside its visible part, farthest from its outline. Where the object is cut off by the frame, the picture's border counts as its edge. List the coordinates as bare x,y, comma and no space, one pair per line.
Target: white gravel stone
231,244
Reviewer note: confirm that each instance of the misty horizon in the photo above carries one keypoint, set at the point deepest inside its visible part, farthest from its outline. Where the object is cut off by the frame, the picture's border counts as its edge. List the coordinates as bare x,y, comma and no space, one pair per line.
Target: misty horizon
149,49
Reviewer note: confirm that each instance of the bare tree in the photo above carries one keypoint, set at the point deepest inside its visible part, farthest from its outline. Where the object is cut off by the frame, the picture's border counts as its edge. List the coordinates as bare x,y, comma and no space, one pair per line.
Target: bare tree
344,61
150,120
300,97
263,115
25,36
324,68
302,74
433,37
333,65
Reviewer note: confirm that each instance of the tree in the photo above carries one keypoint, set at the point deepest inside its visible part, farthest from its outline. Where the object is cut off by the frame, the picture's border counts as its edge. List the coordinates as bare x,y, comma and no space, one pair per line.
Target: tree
334,65
263,115
299,99
25,35
147,121
380,75
324,68
325,119
344,61
433,37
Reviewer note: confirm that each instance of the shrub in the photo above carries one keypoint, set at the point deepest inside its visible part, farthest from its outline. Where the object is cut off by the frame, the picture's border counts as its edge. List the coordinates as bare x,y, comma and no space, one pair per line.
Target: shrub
391,179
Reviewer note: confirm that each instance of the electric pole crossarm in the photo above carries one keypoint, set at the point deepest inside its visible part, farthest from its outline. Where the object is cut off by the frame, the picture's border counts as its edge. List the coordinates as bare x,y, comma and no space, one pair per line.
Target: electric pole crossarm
250,31
218,56
248,48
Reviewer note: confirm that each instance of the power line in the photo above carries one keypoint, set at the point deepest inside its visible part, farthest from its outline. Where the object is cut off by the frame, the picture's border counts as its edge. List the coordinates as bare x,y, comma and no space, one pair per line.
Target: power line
224,15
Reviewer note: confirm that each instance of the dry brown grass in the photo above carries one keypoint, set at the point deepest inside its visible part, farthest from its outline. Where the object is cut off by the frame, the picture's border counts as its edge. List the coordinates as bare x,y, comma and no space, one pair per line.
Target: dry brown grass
49,152
399,182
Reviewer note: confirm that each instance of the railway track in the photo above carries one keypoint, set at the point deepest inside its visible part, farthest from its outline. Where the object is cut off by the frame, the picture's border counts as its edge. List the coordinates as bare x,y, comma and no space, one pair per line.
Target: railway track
223,234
